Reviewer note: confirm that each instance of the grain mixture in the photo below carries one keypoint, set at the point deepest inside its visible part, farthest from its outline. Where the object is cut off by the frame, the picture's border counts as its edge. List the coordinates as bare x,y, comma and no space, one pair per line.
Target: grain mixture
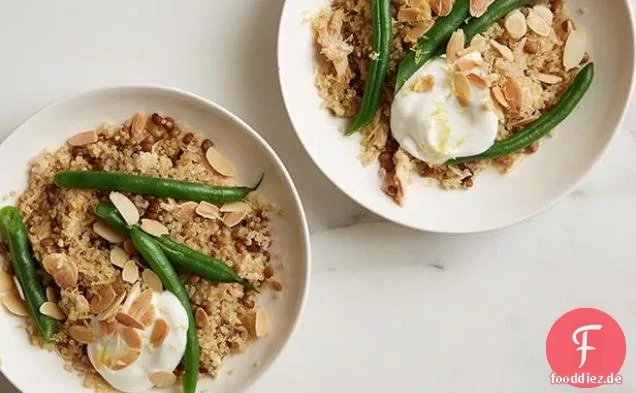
61,221
525,57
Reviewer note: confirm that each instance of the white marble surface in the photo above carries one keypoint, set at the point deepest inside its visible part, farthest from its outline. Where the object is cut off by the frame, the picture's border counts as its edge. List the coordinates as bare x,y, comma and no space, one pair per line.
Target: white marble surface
390,308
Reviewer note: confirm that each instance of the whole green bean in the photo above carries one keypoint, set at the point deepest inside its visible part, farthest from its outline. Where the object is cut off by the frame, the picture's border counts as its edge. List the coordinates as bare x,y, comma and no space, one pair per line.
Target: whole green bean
15,235
379,64
544,124
183,257
145,185
158,262
426,47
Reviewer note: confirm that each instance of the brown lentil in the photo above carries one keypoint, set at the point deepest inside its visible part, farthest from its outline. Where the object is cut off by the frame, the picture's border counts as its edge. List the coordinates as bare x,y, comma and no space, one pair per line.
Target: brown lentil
146,146
187,138
269,271
157,119
206,145
277,286
531,47
47,242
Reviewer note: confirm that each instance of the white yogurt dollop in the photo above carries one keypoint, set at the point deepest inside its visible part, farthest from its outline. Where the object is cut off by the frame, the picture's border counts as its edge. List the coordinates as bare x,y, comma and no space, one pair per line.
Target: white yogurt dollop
165,357
433,126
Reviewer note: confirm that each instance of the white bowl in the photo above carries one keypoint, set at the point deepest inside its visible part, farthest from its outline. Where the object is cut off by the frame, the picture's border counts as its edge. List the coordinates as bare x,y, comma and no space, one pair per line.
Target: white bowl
32,370
496,201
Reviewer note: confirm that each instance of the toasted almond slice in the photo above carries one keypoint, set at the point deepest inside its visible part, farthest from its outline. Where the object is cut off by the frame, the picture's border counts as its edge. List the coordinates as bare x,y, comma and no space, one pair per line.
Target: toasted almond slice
499,97
15,305
138,122
232,219
131,337
479,41
108,328
466,64
544,12
522,122
154,228
148,317
112,309
67,276
152,280
219,163
478,81
51,295
461,88
130,273
235,207
103,299
82,334
106,232
468,50
441,7
424,84
208,210
52,263
186,211
128,320
159,332
478,7
18,287
125,207
547,78
410,14
6,281
201,318
52,310
537,24
569,26
492,78
163,379
503,50
516,24
513,93
418,30
455,44
141,304
575,48
257,323
123,361
83,138
119,257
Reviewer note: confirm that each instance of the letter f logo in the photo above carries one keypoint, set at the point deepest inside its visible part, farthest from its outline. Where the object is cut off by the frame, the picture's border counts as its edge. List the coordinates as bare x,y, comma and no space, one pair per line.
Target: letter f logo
583,344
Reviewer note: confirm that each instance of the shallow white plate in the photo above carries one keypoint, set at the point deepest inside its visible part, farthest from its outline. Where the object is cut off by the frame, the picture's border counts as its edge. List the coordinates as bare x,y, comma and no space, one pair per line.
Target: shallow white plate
495,201
33,370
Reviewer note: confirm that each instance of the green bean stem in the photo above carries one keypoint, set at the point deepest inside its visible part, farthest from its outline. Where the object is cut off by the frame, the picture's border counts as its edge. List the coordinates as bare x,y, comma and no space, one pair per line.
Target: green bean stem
15,235
379,64
158,262
145,185
544,124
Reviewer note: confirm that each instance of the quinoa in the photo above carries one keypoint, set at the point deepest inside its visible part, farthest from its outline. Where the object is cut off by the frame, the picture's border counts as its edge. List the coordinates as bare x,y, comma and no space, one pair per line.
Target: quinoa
61,221
343,33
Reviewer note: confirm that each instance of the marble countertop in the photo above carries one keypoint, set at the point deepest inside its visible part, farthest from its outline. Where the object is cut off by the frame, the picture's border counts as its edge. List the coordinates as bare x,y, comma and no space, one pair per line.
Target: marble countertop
389,308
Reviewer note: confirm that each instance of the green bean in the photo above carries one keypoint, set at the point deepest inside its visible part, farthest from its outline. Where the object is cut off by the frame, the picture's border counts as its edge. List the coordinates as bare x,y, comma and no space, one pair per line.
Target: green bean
144,185
15,234
158,262
183,257
544,124
496,11
374,86
426,47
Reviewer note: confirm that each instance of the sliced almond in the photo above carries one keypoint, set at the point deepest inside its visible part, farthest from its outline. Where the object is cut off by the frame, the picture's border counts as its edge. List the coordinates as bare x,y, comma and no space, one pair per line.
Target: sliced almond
52,310
186,211
201,318
82,334
67,276
499,97
478,7
159,332
119,257
479,41
130,272
141,304
503,50
128,320
15,305
478,81
112,309
522,122
538,24
152,280
410,14
125,207
235,207
425,84
492,78
418,30
6,281
468,50
18,287
154,228
513,93
569,26
232,219
83,138
547,78
441,7
123,361
52,263
516,25
148,317
208,210
455,44
106,232
138,123
219,163
103,299
51,295
575,48
131,337
544,12
257,323
163,379
466,64
108,328
461,88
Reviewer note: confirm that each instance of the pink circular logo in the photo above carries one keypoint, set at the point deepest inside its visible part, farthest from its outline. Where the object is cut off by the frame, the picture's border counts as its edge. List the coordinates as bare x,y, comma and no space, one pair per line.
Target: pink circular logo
586,348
